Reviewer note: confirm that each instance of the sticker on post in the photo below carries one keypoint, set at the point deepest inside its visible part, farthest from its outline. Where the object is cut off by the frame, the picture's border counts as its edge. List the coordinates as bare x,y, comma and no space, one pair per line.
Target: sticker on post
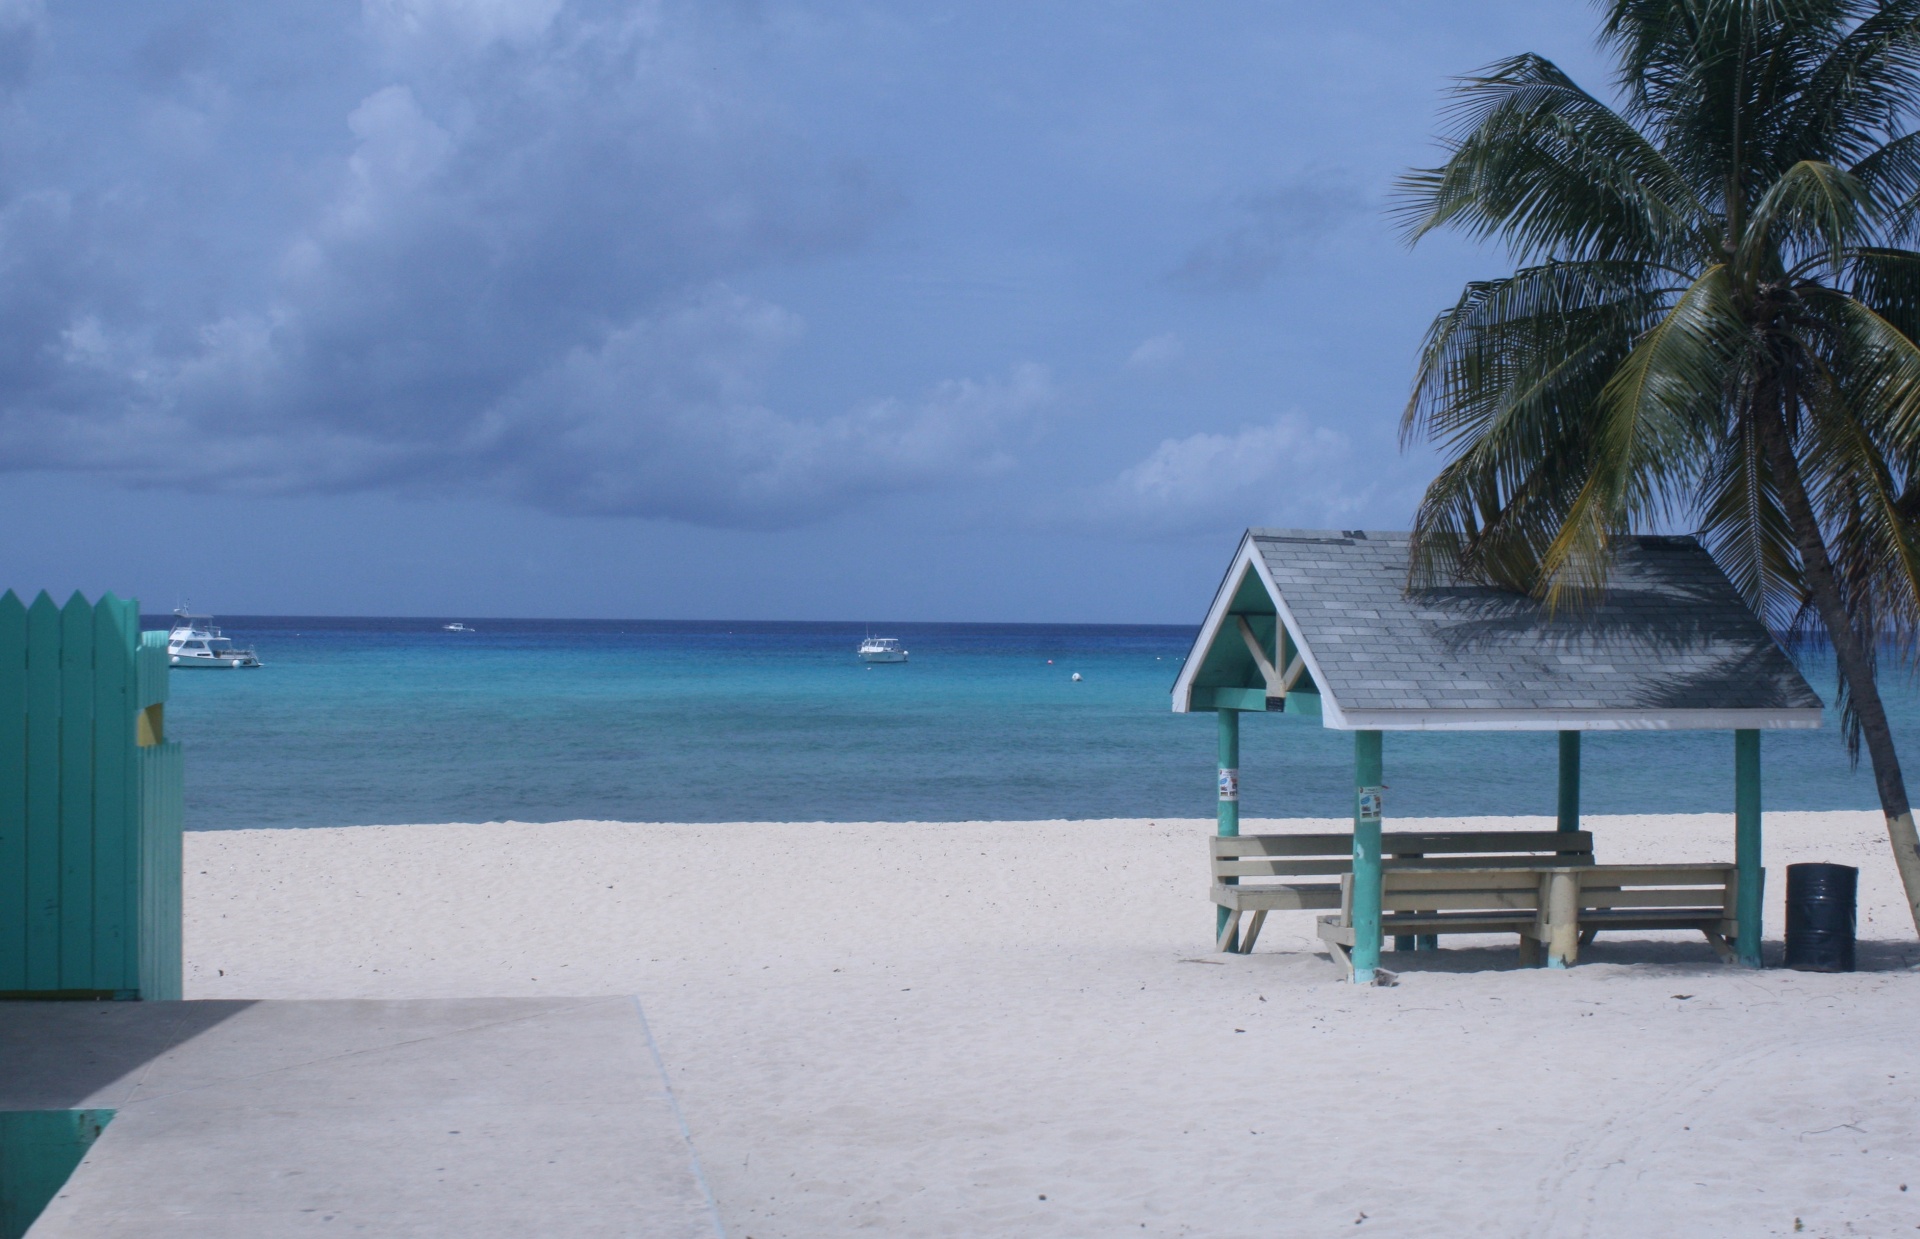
1370,798
1229,783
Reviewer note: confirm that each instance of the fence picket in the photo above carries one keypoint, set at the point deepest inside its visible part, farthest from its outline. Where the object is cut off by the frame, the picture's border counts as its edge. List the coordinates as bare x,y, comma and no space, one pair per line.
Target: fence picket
161,788
13,793
115,816
43,794
76,794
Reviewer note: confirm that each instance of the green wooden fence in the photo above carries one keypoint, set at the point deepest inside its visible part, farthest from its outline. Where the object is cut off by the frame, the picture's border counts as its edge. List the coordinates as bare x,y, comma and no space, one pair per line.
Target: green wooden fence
90,804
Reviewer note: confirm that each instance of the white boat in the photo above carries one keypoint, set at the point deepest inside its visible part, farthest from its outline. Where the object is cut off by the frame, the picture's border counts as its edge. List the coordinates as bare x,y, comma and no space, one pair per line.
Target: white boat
457,626
882,650
195,642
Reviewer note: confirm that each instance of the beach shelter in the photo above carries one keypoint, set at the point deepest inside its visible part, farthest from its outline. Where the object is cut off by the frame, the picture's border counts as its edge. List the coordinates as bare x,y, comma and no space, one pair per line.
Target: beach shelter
1322,624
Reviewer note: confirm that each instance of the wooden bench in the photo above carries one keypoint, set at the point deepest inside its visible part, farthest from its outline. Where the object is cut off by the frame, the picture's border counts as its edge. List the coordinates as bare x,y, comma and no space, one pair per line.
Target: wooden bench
1607,897
1558,907
1259,874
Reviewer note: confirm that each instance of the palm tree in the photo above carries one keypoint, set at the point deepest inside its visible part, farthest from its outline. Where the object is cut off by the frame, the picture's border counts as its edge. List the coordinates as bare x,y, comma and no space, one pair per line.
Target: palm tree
1712,325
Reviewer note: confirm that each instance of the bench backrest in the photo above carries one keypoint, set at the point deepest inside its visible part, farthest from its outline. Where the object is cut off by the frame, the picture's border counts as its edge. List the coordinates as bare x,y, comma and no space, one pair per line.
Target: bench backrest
1643,887
1678,889
1287,856
1455,890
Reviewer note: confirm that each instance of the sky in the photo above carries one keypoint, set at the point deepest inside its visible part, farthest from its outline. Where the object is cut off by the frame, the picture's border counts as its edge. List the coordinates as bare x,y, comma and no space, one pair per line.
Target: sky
749,309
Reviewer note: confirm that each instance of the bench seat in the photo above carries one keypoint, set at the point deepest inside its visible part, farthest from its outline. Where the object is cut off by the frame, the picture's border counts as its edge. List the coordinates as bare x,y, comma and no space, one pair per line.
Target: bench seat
1278,897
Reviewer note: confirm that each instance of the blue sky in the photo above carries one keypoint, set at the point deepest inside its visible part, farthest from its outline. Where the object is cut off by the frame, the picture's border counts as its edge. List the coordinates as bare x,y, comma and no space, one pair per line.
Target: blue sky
734,309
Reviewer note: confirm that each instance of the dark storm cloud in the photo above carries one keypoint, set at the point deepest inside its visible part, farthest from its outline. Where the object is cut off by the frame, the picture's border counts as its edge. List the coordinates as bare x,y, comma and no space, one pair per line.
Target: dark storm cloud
473,246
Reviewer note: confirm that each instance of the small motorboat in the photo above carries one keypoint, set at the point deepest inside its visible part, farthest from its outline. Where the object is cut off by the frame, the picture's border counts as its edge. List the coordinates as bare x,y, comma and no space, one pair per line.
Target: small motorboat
457,626
195,642
882,650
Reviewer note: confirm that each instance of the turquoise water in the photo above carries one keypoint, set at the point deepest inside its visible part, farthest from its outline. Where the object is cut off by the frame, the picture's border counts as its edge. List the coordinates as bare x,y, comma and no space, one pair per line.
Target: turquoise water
384,721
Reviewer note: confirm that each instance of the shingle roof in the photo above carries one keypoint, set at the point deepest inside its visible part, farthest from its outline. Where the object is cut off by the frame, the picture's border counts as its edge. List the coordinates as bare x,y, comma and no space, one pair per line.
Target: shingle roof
1671,644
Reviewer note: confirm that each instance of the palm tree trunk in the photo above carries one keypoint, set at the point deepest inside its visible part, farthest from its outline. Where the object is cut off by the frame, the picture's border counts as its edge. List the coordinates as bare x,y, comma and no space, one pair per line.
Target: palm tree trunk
1850,652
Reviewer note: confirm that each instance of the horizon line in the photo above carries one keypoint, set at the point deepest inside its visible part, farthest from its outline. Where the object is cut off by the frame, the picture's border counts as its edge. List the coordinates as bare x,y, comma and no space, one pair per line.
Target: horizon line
468,616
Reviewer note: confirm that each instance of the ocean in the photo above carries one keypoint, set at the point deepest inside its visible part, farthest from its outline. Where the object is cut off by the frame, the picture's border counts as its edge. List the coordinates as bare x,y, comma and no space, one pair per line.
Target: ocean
366,721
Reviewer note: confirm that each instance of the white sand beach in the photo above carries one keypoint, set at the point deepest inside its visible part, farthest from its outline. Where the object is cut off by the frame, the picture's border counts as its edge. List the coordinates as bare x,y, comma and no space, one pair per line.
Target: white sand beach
1020,1028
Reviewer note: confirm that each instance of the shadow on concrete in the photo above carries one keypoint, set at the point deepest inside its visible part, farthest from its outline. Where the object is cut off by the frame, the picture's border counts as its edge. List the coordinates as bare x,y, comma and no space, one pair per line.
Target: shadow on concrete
61,1055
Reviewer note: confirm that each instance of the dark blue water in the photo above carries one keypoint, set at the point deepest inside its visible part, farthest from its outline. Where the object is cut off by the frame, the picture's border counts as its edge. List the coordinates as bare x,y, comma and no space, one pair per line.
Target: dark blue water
382,721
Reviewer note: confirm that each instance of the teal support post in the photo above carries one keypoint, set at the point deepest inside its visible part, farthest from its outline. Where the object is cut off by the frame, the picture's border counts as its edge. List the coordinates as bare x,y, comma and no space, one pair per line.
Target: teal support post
1749,876
1229,772
1569,780
1366,855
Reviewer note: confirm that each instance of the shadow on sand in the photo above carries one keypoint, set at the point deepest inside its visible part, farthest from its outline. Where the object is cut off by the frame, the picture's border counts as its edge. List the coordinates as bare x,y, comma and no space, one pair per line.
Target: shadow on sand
1669,955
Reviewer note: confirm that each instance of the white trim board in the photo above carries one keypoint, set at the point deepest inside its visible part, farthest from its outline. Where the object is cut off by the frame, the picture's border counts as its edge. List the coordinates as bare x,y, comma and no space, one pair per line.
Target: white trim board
1577,720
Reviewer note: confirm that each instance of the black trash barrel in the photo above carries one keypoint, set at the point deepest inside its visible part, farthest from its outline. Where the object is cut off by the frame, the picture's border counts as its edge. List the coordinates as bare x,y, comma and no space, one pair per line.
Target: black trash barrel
1820,917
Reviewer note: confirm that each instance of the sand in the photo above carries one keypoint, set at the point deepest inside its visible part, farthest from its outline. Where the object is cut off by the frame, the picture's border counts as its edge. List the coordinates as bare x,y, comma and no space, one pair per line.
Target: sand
1019,1028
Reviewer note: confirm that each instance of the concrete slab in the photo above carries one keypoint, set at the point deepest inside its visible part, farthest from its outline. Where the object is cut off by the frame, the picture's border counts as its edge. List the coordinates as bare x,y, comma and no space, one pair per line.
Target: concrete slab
457,1117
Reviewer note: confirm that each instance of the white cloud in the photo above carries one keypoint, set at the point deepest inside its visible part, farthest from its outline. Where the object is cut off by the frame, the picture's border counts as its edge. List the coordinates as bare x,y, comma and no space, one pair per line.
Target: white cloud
474,23
399,152
1156,353
1289,471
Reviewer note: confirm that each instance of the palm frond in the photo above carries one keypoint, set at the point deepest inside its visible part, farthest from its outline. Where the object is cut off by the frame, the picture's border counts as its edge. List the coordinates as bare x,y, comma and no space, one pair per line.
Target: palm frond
1743,525
1891,173
1887,281
1518,340
1814,209
1876,366
1842,111
1550,170
1508,377
1655,420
